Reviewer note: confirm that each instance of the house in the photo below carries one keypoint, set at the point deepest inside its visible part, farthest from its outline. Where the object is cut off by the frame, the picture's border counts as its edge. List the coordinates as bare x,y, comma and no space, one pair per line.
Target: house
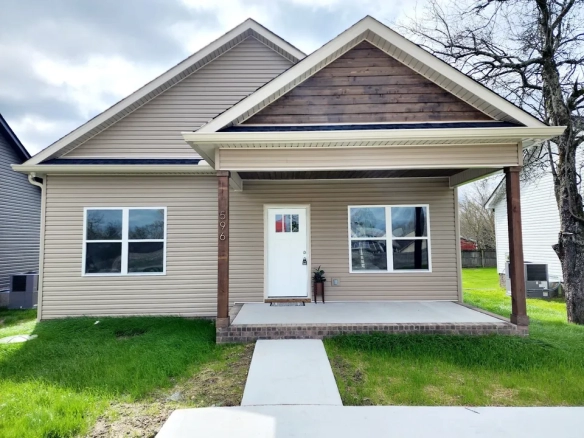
541,224
230,177
20,204
468,244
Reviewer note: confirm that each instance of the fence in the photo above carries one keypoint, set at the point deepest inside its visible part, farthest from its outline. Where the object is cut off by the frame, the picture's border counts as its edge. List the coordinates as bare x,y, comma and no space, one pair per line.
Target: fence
479,259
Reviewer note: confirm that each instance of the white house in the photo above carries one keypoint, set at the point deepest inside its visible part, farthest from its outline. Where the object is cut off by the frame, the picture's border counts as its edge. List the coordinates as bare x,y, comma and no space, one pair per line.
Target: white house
540,220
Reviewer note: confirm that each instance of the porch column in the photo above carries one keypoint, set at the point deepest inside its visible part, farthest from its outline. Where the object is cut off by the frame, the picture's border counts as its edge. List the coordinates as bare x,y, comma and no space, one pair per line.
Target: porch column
518,299
223,249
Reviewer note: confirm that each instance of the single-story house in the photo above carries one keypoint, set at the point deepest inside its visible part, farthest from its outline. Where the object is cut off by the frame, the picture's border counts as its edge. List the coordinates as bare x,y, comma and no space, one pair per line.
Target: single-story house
230,177
20,205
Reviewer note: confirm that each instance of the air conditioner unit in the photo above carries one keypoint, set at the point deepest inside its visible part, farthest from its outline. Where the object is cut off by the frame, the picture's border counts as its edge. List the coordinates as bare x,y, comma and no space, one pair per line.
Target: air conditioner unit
536,280
23,291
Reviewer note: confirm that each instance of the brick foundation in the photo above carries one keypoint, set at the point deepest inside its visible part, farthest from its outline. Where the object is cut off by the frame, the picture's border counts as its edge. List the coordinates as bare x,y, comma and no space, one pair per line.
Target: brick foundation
251,333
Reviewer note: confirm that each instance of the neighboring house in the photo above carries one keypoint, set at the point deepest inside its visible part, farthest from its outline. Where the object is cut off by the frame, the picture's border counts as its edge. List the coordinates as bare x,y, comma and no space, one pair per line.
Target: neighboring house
230,177
541,224
20,206
468,244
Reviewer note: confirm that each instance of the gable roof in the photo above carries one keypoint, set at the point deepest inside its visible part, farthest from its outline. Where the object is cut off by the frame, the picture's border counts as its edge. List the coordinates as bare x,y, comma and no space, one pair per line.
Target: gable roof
10,136
157,86
395,45
366,85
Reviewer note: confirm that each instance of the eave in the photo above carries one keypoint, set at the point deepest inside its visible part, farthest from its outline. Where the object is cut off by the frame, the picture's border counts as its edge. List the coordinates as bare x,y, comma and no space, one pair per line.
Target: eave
206,143
130,169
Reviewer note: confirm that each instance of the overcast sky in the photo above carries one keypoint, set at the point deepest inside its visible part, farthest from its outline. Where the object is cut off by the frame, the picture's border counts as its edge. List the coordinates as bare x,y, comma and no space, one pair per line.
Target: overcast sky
64,61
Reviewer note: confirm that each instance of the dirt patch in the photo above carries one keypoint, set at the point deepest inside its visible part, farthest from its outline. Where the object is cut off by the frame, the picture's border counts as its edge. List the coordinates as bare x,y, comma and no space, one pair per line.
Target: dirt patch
218,384
349,378
221,384
131,420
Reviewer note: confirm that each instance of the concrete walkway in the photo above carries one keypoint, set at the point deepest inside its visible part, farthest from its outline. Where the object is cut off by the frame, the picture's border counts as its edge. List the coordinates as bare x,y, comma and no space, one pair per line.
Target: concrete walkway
383,312
290,372
374,421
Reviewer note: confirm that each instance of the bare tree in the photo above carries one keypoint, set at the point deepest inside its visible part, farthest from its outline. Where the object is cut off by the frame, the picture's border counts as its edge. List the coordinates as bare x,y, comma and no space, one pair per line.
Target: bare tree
477,222
532,53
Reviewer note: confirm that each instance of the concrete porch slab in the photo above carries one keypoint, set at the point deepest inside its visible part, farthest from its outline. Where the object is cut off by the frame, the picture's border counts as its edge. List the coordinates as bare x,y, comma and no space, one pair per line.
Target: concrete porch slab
388,312
378,421
290,372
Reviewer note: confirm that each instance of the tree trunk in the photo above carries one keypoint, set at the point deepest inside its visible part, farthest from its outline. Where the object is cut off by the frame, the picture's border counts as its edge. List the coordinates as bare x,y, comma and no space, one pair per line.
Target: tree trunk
570,247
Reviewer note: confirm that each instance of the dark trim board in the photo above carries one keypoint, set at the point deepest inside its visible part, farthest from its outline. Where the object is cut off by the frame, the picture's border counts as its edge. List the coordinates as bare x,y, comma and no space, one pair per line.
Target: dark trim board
122,161
350,174
367,126
13,140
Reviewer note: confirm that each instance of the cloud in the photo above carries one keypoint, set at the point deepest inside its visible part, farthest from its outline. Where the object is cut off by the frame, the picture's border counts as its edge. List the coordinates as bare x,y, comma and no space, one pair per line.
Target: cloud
65,61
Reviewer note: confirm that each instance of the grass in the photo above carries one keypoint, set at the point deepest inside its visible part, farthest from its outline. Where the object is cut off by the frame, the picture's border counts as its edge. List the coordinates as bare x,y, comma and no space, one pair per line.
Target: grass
544,369
77,371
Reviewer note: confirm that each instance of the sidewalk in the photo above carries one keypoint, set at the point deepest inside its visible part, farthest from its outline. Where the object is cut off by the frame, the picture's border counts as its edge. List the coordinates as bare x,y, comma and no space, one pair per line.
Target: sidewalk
290,372
374,421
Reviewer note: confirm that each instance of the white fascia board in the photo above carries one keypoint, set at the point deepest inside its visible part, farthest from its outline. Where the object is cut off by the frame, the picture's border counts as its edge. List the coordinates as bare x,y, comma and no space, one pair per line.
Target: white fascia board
452,73
494,199
384,32
275,39
248,24
43,169
201,139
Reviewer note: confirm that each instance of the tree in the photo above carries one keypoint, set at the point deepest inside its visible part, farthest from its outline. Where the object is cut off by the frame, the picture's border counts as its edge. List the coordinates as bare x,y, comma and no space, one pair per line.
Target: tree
477,222
532,53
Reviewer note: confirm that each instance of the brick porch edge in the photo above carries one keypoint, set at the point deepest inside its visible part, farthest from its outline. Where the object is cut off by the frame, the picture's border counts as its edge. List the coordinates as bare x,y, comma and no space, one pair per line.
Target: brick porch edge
249,333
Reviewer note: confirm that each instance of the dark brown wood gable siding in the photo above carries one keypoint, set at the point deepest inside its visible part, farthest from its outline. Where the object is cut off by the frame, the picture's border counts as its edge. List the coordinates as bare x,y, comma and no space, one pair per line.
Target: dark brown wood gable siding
366,85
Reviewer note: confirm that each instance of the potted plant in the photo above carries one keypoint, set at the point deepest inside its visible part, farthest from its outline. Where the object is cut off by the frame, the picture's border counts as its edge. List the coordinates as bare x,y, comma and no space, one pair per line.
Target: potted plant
318,280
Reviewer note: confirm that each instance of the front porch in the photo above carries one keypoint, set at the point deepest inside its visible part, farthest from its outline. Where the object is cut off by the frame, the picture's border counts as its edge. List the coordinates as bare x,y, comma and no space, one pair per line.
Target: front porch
253,321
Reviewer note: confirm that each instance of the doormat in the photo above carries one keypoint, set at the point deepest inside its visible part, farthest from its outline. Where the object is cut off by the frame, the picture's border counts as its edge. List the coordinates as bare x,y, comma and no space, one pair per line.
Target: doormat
286,304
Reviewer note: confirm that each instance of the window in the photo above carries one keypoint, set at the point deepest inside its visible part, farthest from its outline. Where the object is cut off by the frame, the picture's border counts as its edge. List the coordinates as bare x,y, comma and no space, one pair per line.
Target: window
392,238
287,223
119,241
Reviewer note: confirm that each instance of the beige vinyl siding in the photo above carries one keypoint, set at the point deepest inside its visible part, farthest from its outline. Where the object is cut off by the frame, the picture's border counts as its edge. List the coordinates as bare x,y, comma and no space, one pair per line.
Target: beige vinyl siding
154,130
328,202
189,287
411,157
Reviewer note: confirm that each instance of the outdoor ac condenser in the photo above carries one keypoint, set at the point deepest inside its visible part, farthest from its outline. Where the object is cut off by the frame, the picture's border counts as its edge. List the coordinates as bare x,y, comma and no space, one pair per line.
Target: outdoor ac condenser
536,280
23,291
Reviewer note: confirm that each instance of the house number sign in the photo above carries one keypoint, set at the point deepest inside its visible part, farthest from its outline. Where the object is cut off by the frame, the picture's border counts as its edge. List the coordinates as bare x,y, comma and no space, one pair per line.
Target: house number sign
222,224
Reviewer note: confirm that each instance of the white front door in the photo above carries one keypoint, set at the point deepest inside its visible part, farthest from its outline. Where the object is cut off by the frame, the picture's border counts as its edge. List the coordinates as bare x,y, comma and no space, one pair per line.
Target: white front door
287,252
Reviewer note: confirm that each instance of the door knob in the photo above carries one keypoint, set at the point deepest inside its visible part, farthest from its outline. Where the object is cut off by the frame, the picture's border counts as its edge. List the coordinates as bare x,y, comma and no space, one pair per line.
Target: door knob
304,262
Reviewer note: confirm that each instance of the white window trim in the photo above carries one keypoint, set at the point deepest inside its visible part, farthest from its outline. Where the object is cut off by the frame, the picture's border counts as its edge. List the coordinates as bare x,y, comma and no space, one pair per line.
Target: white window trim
389,237
124,241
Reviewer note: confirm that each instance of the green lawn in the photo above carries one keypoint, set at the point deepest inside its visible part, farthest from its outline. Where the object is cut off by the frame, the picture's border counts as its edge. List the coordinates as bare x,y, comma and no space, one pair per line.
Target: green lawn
60,383
546,368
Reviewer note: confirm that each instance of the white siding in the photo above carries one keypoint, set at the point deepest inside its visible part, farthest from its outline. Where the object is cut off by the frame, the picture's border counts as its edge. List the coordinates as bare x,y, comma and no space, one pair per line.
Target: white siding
541,225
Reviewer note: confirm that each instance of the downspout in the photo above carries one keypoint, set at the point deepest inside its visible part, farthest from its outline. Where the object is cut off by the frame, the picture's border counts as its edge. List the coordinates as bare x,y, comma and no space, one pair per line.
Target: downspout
31,179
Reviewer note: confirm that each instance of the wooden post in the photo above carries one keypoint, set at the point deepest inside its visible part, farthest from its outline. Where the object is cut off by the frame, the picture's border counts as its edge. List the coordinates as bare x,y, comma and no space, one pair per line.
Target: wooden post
223,250
517,273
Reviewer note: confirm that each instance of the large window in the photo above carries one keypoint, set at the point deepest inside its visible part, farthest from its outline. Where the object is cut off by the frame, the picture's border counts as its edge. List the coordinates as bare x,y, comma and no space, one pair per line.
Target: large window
119,241
391,238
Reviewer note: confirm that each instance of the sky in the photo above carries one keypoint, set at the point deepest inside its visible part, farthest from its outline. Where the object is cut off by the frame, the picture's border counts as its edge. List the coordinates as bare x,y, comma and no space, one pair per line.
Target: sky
64,61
